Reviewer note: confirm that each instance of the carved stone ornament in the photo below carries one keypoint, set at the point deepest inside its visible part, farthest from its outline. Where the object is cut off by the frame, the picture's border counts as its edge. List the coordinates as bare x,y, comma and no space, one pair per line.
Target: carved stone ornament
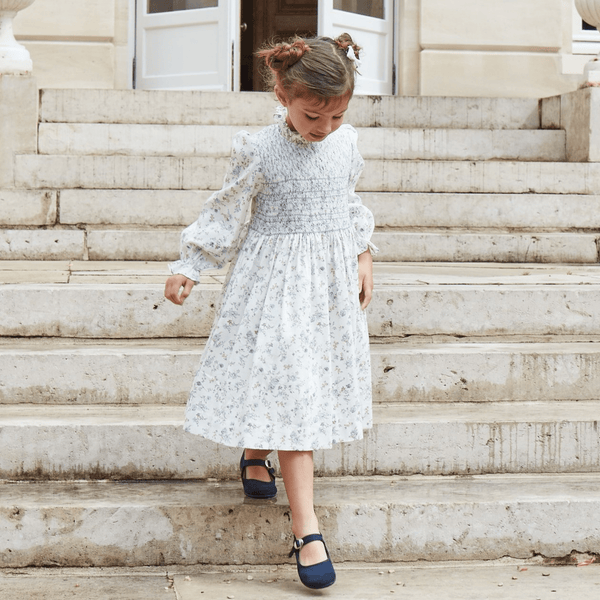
590,13
14,58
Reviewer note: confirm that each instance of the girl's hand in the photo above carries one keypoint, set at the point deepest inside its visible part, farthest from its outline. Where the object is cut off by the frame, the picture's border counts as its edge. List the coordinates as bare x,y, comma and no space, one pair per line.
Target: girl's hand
173,287
365,278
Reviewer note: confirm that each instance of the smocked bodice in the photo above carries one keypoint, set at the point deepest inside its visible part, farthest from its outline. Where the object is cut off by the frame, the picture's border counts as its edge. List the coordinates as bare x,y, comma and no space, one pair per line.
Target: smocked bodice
311,198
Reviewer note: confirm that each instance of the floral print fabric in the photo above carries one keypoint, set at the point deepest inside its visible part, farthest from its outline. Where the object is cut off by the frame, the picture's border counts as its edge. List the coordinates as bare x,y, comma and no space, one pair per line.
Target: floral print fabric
287,364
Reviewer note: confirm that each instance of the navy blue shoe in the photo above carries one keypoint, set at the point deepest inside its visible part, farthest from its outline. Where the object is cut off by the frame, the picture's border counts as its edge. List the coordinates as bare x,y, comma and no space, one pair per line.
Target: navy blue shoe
253,488
317,576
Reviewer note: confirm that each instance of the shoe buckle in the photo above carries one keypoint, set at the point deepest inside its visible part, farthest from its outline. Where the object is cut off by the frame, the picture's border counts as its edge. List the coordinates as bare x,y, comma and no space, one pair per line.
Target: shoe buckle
268,464
298,544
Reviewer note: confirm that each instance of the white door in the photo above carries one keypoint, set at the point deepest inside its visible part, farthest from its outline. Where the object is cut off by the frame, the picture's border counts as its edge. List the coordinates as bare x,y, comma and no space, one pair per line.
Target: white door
186,44
371,25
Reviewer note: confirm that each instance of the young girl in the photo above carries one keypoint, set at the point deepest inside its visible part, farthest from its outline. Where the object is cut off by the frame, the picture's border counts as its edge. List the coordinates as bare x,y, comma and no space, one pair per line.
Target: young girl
287,365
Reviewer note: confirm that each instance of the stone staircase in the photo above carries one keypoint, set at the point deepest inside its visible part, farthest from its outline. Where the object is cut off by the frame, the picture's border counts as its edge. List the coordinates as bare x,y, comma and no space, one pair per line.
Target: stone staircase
485,340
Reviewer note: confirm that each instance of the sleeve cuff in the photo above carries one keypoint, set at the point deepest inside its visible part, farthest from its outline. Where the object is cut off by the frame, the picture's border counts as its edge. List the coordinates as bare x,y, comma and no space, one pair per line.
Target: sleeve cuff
180,268
363,246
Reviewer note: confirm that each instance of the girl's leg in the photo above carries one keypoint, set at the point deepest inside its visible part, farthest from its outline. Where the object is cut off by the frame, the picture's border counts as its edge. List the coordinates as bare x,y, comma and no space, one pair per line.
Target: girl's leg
297,470
259,473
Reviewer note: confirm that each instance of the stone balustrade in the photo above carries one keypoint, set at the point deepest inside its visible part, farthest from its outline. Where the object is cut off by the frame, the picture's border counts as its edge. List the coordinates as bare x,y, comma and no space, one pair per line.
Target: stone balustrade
590,13
14,57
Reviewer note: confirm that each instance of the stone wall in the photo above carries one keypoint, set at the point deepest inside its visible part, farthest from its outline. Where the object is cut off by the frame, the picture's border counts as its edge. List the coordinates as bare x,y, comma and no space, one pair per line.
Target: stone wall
77,44
495,48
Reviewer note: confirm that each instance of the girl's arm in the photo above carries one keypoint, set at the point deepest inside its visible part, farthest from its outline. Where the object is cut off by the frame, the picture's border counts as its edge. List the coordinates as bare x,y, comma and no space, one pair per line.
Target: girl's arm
215,238
363,221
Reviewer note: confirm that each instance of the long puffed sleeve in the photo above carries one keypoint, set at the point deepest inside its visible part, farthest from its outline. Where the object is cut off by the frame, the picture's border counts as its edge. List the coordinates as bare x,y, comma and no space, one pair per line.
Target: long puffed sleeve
216,237
360,215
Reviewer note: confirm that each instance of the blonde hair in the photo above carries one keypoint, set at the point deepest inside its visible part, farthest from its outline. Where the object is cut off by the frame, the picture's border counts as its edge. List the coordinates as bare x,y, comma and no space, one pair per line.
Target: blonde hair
318,67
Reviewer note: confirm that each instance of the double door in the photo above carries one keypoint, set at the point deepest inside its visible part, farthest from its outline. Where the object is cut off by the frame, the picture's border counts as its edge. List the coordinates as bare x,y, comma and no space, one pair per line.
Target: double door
209,44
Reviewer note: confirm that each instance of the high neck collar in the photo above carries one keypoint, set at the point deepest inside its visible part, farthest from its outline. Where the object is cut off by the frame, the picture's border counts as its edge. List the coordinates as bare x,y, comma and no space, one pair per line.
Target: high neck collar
286,132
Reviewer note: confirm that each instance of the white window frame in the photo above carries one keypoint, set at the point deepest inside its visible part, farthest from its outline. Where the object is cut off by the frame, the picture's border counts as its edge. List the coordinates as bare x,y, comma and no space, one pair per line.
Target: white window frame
585,41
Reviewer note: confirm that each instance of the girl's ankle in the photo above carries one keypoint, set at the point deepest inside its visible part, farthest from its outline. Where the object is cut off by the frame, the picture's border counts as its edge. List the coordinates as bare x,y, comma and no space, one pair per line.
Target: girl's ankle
306,528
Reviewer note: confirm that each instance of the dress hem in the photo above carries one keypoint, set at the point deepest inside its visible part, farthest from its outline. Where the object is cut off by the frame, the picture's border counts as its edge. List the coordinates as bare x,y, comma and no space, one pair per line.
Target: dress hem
285,449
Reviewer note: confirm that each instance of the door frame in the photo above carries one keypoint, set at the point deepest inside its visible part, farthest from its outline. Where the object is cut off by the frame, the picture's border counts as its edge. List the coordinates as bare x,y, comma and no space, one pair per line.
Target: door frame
132,43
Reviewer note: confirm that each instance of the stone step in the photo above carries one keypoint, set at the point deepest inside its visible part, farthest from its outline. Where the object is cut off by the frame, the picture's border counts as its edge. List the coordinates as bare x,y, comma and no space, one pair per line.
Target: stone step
162,244
418,246
28,207
535,577
43,244
218,108
181,207
373,143
371,519
91,300
65,371
148,442
547,212
34,171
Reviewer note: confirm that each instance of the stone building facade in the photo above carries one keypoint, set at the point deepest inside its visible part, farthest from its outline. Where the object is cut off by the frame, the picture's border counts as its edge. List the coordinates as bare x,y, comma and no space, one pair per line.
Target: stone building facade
532,48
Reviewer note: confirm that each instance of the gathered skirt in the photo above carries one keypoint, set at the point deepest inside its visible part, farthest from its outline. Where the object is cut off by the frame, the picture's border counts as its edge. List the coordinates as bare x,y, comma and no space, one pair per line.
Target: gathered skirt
287,363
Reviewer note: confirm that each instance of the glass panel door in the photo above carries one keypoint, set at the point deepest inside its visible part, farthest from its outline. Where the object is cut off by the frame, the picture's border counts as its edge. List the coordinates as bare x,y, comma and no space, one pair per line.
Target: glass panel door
185,45
160,6
368,8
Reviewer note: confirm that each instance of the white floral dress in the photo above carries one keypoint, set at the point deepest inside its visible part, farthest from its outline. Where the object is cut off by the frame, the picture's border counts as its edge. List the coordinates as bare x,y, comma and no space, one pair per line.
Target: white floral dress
287,363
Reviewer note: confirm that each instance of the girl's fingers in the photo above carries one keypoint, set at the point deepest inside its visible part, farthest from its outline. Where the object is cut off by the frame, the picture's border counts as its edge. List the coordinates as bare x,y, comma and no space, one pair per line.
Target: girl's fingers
187,290
173,288
365,296
365,291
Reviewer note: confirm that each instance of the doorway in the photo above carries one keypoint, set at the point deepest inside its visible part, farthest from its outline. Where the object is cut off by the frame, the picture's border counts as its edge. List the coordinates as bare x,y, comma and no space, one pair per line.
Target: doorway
211,44
270,20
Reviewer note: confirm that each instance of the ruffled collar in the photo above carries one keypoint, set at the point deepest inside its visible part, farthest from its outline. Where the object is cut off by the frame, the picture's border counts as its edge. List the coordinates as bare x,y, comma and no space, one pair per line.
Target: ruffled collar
292,136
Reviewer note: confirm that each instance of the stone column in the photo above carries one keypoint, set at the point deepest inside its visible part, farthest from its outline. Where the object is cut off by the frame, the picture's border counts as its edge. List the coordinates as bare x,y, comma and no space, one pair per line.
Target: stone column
18,94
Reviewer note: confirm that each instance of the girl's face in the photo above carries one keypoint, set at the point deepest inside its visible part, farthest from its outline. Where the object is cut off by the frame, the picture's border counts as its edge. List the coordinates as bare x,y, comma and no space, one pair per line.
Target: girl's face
311,118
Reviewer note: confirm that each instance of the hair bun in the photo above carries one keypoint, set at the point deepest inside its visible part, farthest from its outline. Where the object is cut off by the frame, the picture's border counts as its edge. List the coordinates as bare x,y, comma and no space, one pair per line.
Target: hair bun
345,41
282,56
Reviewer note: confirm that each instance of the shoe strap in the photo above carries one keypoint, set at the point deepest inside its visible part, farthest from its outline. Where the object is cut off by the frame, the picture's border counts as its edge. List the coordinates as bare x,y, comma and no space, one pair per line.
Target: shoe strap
256,462
307,539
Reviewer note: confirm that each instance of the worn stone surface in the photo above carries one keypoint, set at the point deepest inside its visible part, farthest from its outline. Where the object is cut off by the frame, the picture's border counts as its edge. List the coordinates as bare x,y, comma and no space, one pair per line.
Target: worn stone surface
54,584
369,520
491,372
539,212
454,580
217,108
41,244
550,109
580,120
108,172
373,142
451,581
127,207
148,442
24,207
158,244
153,245
18,122
485,246
55,371
505,177
445,305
